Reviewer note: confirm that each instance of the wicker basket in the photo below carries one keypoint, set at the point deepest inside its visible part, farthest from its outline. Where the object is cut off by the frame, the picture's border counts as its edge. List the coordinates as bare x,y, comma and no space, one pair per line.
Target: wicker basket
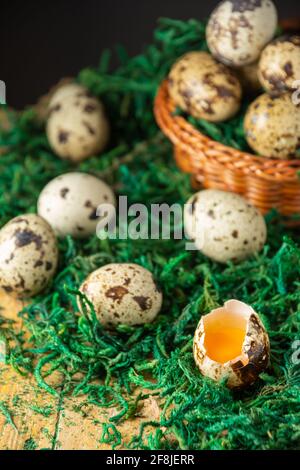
266,182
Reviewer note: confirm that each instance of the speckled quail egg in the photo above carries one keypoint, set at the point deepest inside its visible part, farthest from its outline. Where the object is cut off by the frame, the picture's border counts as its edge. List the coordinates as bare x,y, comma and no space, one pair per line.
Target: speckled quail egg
123,293
69,203
272,126
238,30
279,65
28,255
224,226
65,91
204,88
77,127
248,77
231,344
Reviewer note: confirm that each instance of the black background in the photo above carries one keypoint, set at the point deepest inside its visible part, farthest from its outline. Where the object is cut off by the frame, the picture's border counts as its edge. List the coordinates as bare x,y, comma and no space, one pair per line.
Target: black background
42,41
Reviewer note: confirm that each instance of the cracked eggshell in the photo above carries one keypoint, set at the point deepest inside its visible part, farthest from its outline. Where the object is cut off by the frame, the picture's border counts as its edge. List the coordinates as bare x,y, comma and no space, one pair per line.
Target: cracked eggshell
238,30
28,255
69,203
254,354
279,65
123,293
272,126
204,88
224,226
77,127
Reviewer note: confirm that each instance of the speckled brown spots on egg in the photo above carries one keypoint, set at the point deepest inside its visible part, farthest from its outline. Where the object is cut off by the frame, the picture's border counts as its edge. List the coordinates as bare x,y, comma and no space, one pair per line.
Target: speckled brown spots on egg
223,237
238,30
116,293
55,109
279,65
89,108
204,88
245,5
123,293
71,211
64,192
144,302
89,128
25,237
81,128
63,137
23,270
273,128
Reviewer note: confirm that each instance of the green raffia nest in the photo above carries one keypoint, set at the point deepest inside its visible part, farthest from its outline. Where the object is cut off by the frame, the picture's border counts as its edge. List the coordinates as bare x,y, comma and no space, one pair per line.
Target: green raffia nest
196,413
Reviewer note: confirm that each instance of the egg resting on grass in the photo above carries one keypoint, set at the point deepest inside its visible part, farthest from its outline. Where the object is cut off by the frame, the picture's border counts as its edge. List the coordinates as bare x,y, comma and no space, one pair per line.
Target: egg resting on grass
224,226
204,88
272,126
77,127
279,65
28,255
231,344
123,293
238,30
69,203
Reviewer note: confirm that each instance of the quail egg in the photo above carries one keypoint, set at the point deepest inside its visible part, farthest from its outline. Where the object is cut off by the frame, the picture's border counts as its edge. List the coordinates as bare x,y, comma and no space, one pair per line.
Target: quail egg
77,127
272,126
123,293
224,226
231,344
69,203
28,255
65,91
279,65
238,30
204,88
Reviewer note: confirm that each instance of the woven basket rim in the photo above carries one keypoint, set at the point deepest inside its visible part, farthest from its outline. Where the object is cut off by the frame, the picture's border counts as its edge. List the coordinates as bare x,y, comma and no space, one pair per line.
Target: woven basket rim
190,139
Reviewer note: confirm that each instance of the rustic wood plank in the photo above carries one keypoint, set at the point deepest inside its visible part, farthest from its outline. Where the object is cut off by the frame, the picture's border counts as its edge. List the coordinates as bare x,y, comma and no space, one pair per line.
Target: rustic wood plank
80,424
30,429
24,401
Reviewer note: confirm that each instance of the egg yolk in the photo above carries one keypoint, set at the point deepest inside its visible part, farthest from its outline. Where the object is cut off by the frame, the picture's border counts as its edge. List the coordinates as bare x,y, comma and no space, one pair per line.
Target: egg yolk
223,343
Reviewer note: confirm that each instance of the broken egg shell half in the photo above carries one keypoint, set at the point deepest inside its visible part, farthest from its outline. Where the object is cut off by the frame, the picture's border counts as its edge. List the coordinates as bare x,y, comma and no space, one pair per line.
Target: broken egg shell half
231,343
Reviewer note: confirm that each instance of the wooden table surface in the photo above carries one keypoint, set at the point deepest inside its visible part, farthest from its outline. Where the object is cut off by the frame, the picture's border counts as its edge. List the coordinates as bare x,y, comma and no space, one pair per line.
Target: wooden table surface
67,427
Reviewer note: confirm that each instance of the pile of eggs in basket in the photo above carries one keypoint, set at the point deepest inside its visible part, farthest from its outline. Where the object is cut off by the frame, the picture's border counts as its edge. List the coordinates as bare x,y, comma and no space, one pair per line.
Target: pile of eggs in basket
244,53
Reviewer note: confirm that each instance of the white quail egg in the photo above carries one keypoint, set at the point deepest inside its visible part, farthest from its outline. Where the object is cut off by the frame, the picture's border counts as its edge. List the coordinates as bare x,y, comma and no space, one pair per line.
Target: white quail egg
272,126
204,88
279,65
224,226
77,127
28,255
123,293
238,30
231,344
69,203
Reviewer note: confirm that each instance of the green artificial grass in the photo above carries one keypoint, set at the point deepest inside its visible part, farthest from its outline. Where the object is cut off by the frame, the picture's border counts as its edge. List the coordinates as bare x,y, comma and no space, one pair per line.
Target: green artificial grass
196,412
